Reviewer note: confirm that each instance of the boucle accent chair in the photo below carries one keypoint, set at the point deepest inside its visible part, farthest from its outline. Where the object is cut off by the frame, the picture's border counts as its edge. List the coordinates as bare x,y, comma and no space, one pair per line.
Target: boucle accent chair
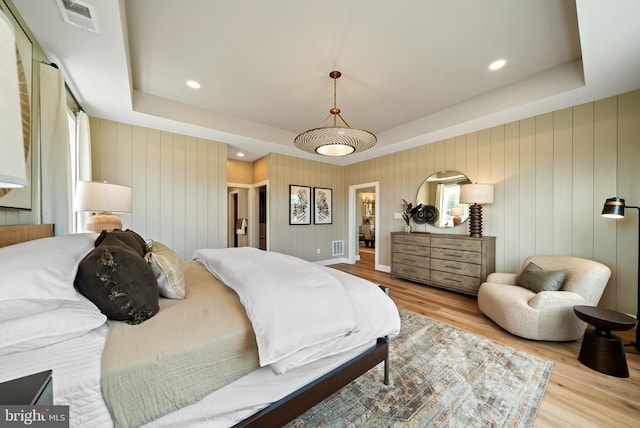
546,315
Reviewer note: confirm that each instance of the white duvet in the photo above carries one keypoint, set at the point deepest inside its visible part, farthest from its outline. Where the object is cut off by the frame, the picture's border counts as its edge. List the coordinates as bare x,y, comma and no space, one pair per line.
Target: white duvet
292,304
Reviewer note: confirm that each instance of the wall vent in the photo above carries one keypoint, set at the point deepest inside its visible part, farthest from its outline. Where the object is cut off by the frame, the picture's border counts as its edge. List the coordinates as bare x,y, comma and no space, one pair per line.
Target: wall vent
337,248
77,13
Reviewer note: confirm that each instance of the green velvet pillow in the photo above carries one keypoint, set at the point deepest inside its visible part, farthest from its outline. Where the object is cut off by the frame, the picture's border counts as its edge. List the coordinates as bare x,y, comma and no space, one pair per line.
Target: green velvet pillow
536,279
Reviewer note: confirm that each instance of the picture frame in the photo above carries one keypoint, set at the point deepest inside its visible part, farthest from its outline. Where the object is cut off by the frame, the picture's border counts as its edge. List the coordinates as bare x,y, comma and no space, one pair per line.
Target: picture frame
20,198
322,205
299,205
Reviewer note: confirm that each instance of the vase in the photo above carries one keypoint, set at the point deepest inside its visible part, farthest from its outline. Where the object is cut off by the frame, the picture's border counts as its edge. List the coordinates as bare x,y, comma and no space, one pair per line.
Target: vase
406,228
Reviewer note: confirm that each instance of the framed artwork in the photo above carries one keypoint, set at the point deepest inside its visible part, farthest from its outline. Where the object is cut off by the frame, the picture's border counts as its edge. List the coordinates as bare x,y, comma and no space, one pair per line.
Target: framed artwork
322,205
20,198
299,204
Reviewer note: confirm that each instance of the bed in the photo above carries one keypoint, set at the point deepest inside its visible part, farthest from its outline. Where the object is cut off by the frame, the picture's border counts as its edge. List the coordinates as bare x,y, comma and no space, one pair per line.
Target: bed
267,384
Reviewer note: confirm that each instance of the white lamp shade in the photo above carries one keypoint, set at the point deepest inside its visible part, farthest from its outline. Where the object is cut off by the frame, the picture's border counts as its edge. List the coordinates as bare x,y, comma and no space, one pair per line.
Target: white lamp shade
13,172
476,193
98,196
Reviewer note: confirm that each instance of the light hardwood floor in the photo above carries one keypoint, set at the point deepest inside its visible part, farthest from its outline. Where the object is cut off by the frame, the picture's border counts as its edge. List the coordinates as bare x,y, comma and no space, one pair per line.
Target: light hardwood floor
576,396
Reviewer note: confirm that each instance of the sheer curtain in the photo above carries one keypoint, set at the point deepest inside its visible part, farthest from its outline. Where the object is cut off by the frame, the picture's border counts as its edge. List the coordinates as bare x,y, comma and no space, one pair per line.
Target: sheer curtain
54,148
83,161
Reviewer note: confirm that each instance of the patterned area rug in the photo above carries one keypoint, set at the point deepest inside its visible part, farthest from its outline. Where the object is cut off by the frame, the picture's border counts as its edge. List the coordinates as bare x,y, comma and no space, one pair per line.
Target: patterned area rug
440,377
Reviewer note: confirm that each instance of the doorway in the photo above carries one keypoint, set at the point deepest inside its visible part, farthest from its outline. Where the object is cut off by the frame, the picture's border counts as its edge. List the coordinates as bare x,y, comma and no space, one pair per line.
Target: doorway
363,220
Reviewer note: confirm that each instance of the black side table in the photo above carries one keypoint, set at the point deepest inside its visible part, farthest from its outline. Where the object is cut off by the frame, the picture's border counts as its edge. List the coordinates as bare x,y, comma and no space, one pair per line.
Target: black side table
601,350
35,389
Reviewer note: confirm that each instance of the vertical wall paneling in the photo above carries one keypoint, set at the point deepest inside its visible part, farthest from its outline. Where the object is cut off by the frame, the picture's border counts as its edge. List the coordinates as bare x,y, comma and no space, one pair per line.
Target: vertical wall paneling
173,178
495,222
178,211
544,184
527,178
562,182
138,179
582,191
605,153
629,189
511,213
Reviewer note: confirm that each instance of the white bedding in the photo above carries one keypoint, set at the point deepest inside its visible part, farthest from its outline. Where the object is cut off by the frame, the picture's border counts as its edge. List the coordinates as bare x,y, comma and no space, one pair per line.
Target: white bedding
76,382
292,304
76,363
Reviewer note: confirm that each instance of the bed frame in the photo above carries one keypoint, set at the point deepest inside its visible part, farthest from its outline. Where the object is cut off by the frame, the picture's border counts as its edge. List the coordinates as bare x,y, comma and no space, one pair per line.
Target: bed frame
15,234
282,411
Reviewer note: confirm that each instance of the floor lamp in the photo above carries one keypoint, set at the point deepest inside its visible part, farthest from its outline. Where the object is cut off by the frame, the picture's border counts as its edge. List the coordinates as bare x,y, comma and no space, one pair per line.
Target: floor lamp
614,208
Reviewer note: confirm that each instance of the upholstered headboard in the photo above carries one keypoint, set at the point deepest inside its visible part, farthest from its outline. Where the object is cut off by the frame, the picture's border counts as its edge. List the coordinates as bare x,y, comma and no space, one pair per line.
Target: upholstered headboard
15,234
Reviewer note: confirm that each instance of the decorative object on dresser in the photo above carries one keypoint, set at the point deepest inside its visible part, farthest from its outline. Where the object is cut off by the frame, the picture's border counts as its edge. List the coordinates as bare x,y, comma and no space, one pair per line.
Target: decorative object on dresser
104,199
614,208
454,262
476,194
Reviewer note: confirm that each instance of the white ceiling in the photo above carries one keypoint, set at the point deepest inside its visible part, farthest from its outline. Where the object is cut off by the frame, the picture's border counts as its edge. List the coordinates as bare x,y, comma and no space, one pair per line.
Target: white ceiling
413,71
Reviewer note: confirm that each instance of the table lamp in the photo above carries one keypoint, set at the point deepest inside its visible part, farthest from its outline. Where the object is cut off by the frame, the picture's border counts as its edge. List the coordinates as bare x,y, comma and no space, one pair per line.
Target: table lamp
13,172
476,194
104,199
457,212
614,208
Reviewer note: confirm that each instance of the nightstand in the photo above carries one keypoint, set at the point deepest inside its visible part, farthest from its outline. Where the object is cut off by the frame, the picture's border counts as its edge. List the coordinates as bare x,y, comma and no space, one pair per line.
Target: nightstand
35,389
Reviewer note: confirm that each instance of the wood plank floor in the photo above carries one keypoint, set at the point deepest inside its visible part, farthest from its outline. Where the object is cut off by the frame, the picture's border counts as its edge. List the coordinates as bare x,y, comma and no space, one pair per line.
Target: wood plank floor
576,396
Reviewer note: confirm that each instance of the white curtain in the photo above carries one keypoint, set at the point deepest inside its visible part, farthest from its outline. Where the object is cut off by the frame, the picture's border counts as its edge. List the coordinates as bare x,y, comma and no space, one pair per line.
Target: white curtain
442,219
54,149
83,160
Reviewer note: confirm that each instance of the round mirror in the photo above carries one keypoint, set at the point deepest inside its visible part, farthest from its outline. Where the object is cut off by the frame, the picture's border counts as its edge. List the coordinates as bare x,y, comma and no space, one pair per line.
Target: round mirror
440,196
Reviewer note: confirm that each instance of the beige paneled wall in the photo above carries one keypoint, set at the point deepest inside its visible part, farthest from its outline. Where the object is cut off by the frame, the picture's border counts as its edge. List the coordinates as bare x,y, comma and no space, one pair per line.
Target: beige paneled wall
552,174
239,172
179,183
302,240
262,169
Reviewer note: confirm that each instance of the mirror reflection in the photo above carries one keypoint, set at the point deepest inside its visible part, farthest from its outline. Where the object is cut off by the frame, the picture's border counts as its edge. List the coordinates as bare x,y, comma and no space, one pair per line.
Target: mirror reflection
440,193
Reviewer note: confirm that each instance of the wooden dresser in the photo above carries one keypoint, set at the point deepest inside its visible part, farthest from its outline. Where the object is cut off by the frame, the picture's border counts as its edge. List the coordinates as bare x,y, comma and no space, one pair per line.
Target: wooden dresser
454,262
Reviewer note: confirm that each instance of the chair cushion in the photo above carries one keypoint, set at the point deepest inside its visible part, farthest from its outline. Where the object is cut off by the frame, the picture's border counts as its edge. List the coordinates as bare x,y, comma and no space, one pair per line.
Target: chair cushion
537,279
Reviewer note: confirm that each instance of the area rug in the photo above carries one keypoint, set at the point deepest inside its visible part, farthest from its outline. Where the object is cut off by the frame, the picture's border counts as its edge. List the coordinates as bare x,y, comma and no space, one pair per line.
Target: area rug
440,377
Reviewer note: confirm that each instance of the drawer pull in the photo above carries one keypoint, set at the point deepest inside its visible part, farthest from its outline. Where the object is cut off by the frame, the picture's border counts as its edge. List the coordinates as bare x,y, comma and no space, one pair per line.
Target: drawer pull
454,267
452,280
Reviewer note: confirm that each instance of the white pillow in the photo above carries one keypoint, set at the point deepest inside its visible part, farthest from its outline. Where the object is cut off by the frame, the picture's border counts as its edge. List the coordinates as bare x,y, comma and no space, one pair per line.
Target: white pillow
69,320
167,267
37,276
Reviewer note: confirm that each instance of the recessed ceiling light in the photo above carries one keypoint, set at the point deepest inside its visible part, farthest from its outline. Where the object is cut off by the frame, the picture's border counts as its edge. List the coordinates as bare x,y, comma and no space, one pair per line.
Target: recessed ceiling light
496,65
240,154
193,84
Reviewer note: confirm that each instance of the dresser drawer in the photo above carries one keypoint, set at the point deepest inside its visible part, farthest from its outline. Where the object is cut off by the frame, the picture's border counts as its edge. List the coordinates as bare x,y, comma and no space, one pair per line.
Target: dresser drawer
411,271
468,269
457,282
411,249
415,239
469,244
411,259
456,255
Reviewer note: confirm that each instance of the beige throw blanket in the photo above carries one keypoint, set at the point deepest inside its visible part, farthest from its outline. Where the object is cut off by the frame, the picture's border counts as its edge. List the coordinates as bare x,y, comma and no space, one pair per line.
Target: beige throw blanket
189,349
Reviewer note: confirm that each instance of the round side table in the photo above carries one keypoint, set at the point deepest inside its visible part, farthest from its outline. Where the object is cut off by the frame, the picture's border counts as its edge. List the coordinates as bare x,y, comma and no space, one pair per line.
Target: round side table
601,350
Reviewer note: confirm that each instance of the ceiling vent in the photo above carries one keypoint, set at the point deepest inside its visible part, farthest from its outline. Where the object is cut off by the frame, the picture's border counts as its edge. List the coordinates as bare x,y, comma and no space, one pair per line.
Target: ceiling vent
78,14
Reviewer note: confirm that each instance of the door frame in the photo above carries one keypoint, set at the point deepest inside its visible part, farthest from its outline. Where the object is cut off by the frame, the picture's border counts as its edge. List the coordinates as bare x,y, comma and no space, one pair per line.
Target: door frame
353,212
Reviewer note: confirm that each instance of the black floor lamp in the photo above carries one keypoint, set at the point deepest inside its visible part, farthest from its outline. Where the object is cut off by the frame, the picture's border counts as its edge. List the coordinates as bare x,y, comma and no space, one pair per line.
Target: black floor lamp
614,208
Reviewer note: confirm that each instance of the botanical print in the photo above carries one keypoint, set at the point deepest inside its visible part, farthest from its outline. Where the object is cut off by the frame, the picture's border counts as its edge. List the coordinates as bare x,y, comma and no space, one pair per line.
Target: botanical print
299,204
322,206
